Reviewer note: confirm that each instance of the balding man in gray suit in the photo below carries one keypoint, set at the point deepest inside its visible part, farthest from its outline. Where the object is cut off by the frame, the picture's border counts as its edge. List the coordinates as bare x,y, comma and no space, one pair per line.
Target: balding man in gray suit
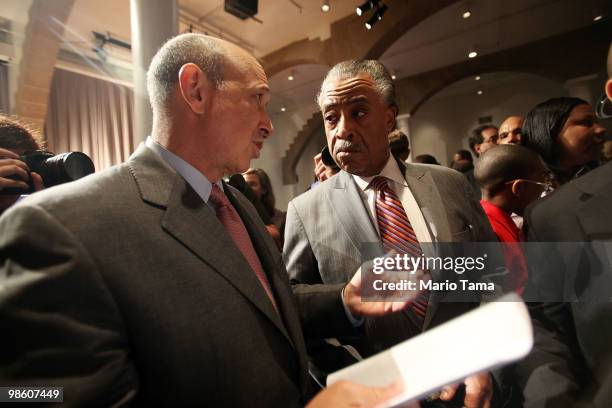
327,226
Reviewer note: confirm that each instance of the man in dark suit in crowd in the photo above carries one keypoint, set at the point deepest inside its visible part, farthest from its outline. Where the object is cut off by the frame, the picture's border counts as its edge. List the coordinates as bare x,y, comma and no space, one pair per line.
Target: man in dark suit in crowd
570,365
154,283
327,226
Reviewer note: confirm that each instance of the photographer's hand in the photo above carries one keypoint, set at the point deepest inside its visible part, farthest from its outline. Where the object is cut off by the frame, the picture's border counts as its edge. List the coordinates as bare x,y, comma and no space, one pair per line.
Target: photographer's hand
10,165
37,181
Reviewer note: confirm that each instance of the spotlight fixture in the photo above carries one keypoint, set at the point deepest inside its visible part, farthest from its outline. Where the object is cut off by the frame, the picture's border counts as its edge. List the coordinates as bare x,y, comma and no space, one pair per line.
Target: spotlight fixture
479,92
477,78
283,109
325,6
598,17
380,11
466,14
472,53
393,74
291,76
364,7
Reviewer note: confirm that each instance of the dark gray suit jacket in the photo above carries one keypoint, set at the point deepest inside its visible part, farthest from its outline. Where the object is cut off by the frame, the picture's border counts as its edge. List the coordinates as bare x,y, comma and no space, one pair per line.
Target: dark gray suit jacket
571,363
124,288
324,232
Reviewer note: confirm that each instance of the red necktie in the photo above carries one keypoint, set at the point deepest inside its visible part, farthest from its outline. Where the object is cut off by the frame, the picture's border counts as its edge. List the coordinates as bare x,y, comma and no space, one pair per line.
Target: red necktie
227,215
397,234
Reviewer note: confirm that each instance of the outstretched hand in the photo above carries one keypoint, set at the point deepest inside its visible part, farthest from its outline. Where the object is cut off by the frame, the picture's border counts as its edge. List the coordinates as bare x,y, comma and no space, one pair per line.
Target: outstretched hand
360,302
478,391
346,394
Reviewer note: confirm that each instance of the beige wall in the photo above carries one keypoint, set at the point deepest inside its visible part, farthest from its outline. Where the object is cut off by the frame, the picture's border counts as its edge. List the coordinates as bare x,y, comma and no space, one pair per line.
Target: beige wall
443,124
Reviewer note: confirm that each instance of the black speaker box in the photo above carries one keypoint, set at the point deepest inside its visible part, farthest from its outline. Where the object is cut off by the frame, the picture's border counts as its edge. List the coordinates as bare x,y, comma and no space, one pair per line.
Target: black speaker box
242,9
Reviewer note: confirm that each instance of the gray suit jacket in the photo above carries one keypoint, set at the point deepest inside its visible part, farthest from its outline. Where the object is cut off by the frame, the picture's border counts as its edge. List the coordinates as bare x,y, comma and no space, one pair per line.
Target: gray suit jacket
571,362
124,288
324,232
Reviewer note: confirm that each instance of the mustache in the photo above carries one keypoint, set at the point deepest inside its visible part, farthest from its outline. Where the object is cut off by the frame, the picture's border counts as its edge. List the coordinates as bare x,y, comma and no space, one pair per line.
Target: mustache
345,146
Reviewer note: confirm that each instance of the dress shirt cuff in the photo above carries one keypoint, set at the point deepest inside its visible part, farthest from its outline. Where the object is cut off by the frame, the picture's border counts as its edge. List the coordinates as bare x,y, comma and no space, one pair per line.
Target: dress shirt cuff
356,322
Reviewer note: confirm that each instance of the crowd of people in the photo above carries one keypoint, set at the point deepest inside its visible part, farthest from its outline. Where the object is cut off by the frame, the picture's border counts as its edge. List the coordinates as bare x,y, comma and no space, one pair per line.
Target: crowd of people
161,282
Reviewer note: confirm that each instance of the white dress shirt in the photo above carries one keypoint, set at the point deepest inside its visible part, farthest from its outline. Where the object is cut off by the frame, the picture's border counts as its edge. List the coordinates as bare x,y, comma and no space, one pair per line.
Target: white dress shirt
398,184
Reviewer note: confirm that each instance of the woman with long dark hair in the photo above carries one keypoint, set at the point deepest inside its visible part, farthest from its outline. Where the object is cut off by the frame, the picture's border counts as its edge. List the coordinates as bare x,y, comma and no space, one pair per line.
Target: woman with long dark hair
260,183
566,133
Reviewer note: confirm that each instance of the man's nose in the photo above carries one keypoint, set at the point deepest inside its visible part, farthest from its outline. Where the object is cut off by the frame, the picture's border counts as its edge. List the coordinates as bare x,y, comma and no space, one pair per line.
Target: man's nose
344,129
266,128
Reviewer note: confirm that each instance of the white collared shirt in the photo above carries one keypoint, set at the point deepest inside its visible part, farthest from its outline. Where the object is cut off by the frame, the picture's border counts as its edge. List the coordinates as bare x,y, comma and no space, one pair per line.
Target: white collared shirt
398,184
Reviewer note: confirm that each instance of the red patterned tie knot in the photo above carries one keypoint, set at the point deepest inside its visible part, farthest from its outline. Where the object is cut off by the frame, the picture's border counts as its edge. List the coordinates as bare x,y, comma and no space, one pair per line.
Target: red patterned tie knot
379,183
218,197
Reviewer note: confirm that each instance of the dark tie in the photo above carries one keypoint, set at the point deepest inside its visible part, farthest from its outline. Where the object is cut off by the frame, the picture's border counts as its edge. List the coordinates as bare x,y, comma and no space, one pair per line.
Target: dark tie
229,218
397,234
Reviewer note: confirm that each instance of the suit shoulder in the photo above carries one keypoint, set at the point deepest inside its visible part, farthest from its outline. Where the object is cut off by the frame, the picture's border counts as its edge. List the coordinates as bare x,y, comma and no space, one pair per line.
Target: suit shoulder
440,171
313,196
543,216
86,192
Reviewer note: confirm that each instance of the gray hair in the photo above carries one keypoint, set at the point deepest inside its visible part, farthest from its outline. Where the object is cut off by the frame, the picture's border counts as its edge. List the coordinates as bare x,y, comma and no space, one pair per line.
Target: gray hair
199,49
374,69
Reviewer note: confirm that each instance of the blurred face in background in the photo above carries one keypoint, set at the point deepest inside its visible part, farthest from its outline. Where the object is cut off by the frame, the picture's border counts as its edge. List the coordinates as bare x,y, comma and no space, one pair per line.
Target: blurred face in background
581,138
252,179
490,140
510,130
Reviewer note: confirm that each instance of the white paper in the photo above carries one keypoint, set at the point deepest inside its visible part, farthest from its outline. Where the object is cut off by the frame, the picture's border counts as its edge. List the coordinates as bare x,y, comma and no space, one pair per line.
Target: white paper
495,334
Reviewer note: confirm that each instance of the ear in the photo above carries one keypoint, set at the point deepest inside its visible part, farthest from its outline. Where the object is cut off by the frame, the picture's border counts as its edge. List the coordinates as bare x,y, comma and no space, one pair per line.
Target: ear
477,149
390,115
517,188
196,89
609,89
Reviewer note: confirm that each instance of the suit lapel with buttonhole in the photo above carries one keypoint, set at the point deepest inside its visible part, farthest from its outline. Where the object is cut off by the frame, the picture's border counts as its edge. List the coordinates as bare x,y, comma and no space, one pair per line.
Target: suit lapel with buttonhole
190,221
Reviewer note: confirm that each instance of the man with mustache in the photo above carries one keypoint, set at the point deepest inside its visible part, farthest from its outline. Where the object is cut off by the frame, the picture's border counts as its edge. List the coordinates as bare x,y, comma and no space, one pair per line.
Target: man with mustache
327,226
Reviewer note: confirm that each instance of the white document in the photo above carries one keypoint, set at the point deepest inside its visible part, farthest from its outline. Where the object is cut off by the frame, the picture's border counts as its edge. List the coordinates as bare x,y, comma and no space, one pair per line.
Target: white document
493,335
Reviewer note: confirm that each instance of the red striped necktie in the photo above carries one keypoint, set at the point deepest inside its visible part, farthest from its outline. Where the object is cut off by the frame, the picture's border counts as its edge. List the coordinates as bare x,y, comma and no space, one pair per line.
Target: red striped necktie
228,216
397,234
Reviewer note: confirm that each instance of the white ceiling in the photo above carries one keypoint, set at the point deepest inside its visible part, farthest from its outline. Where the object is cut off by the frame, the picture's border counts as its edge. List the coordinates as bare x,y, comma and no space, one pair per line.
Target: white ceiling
440,40
445,37
282,21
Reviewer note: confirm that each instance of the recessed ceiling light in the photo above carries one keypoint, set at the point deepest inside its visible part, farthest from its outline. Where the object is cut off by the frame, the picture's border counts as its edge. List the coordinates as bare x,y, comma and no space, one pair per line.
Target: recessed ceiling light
597,18
291,76
477,78
479,92
472,54
393,77
283,109
325,6
466,14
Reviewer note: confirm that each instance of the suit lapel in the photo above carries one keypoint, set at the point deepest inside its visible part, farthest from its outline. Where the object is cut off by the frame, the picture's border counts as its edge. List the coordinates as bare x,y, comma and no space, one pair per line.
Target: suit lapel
190,221
350,210
269,262
593,215
428,198
273,267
